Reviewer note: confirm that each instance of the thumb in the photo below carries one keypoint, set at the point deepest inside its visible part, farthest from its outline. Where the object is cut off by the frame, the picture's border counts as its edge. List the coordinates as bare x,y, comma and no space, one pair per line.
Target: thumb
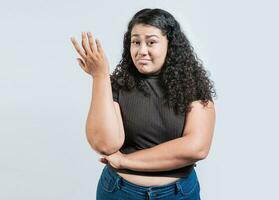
80,62
82,65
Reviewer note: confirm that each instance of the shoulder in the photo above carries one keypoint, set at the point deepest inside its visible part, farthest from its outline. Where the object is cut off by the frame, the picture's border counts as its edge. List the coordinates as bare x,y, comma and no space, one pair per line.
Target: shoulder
199,108
198,104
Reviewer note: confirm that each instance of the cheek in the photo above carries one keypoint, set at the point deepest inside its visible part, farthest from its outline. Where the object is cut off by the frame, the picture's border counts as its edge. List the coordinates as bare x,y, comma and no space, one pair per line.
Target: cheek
159,56
132,52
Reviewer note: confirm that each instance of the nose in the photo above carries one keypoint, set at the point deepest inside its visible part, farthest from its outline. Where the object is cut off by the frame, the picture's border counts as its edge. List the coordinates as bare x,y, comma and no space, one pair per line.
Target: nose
142,50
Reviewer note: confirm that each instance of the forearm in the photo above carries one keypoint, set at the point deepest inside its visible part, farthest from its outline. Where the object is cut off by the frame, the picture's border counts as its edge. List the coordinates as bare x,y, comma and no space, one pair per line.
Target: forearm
102,129
170,155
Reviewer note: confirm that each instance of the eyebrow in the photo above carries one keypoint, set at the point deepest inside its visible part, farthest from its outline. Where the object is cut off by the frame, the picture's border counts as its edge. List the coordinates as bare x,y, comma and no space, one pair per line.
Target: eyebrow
148,36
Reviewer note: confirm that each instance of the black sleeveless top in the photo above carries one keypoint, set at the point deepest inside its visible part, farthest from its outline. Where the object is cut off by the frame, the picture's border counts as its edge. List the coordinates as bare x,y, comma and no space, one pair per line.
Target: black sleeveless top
148,121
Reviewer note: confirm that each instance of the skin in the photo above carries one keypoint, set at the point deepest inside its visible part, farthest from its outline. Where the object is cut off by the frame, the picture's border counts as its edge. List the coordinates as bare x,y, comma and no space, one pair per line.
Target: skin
148,48
102,125
93,59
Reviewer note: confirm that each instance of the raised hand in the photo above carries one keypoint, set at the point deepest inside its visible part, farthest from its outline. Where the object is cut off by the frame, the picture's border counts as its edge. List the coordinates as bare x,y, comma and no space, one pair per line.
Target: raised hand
93,59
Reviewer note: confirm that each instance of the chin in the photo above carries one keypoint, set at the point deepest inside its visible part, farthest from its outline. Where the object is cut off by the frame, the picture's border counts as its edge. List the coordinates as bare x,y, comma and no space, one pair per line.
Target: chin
143,69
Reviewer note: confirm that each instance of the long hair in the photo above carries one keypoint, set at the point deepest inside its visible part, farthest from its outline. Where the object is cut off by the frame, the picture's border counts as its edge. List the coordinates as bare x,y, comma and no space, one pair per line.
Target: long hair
182,75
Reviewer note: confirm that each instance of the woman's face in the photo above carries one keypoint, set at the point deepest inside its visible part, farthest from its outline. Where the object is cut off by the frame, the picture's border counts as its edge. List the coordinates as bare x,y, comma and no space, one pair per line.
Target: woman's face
148,48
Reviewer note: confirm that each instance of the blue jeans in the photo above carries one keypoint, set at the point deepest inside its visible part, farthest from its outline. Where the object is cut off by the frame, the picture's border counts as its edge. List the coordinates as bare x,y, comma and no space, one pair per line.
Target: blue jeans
111,186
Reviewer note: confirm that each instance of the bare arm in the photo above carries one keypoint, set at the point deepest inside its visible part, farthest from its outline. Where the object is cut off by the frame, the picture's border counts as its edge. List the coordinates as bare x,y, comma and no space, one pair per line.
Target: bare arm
102,126
104,129
170,155
180,152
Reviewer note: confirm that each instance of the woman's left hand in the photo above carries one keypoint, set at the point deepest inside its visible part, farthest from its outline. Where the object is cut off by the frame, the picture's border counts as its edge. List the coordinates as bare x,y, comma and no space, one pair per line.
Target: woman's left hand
115,160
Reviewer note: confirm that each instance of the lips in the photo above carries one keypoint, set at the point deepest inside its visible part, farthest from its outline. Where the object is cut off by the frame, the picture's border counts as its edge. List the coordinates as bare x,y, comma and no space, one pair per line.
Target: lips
141,61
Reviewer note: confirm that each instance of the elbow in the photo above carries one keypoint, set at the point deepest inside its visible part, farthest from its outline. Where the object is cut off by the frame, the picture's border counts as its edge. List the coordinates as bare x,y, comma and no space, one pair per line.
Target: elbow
200,150
196,152
201,155
104,148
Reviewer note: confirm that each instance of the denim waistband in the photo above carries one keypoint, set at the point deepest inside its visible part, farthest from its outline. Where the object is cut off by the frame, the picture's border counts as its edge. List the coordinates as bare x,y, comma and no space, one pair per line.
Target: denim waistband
166,187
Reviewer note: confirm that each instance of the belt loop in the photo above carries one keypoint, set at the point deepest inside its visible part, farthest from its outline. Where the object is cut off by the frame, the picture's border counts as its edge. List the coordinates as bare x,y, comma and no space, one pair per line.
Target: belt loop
149,193
178,186
118,184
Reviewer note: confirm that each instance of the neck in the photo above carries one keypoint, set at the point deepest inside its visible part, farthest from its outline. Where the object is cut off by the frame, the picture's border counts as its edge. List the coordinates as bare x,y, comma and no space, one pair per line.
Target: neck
150,75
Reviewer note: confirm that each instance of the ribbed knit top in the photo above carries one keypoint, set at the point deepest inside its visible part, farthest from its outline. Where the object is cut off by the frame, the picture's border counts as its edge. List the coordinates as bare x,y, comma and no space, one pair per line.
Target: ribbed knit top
148,122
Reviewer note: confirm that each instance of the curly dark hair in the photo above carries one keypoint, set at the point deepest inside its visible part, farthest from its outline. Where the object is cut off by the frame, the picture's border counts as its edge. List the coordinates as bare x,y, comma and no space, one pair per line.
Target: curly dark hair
182,74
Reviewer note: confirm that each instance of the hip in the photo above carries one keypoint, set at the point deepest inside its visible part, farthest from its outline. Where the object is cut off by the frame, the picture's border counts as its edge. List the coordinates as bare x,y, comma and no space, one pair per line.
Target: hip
153,178
113,186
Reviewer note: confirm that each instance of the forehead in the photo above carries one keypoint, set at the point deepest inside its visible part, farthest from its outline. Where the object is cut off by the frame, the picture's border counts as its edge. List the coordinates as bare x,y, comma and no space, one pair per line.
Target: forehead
140,30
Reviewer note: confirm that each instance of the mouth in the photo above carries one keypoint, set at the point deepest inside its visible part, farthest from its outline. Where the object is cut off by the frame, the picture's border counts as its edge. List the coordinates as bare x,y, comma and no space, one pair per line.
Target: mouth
141,61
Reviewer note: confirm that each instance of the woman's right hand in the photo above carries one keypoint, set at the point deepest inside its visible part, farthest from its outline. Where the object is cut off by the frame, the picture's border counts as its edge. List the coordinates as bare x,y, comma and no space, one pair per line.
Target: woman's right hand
93,59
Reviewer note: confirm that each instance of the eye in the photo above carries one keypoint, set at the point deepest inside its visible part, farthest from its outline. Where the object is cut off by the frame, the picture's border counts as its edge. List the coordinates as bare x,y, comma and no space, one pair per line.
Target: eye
135,42
152,42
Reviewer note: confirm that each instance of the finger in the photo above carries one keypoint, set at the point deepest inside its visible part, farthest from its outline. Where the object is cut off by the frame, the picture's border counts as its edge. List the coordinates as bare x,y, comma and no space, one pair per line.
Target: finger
103,160
78,48
91,42
85,44
99,46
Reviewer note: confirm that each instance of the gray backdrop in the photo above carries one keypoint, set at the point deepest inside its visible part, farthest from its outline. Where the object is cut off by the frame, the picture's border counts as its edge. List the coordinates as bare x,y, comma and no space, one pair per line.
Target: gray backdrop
45,95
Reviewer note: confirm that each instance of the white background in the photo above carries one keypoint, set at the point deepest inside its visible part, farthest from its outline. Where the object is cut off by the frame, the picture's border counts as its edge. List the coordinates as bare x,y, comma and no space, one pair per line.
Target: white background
45,95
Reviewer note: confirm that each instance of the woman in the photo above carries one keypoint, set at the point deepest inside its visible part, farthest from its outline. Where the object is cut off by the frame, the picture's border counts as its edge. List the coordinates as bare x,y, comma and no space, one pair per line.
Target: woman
153,118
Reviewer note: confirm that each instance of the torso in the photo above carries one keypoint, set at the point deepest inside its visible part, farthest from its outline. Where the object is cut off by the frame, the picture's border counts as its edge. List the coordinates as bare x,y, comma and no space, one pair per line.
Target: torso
168,127
147,180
